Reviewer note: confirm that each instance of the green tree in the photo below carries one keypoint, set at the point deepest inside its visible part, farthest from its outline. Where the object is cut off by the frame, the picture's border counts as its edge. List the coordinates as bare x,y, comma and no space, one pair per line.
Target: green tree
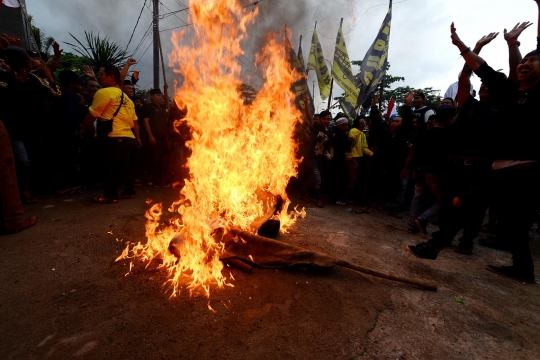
43,41
100,51
399,94
70,61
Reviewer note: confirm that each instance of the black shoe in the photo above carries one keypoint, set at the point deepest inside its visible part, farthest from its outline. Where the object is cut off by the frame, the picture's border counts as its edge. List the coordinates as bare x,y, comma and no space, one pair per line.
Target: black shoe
421,225
423,251
413,230
464,250
513,272
494,244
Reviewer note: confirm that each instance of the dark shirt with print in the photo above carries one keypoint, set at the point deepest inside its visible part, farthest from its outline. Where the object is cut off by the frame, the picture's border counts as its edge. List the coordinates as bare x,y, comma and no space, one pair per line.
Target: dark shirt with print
319,142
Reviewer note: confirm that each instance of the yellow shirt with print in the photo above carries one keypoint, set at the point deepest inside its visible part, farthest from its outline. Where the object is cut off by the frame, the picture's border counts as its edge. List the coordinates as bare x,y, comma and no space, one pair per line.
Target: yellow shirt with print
104,105
359,144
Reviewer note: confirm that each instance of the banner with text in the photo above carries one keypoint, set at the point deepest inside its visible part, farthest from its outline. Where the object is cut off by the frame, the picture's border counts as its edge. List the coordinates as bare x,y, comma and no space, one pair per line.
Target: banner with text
317,63
342,75
375,62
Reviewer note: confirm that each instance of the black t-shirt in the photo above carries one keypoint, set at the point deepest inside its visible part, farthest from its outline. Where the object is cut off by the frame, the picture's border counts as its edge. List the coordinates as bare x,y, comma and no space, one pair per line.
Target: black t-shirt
474,134
341,144
157,119
431,150
519,138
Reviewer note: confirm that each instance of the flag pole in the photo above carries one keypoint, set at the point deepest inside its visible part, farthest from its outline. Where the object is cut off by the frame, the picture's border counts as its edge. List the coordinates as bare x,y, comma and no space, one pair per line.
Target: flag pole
381,93
331,89
165,85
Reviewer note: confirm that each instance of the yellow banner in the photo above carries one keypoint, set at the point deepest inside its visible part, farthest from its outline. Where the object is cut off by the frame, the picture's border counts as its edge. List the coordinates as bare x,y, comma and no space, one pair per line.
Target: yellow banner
342,72
316,62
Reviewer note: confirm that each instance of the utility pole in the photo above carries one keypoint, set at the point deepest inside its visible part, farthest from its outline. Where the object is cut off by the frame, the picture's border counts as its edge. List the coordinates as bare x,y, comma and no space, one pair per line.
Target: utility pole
156,43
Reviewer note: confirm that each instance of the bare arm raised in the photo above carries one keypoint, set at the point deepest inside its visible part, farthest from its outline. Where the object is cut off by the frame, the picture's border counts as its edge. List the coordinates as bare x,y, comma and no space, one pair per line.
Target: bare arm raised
464,84
511,38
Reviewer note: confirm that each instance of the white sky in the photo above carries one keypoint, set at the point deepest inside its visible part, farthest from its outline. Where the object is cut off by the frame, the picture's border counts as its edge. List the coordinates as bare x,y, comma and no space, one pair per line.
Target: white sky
420,48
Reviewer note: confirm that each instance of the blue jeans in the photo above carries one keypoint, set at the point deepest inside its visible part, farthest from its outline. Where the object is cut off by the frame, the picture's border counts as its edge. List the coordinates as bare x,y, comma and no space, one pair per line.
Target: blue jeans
428,183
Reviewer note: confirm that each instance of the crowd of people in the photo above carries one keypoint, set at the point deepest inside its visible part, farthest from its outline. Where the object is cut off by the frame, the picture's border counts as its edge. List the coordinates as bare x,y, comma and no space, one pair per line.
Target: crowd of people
446,166
63,134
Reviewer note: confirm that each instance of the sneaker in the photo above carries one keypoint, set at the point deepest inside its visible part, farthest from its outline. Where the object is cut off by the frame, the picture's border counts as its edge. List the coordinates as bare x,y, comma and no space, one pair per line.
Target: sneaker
421,225
513,272
423,251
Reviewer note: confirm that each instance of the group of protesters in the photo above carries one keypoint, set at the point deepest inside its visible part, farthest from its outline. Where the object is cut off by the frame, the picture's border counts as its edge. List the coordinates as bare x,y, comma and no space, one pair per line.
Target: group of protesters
448,166
63,133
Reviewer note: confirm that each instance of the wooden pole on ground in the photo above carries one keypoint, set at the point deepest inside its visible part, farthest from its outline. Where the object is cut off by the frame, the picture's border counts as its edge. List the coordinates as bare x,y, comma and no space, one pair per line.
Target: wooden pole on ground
382,274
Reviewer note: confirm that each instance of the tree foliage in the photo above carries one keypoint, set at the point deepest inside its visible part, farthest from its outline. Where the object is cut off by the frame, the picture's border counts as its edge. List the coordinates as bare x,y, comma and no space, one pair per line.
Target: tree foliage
100,51
43,41
73,62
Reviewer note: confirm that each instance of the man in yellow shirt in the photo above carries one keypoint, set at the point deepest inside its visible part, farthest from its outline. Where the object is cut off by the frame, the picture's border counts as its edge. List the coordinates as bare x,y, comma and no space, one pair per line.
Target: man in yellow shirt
355,159
119,144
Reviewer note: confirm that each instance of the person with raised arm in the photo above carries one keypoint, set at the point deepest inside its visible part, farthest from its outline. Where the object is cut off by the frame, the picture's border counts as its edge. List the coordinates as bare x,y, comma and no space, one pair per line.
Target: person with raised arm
516,174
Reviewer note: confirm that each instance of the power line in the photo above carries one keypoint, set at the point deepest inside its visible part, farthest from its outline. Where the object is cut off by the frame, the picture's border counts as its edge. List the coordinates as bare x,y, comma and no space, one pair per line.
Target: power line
137,23
143,38
174,13
176,27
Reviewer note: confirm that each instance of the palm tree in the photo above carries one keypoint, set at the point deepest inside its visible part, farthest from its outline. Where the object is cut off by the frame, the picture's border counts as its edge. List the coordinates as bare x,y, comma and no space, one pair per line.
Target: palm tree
43,41
99,51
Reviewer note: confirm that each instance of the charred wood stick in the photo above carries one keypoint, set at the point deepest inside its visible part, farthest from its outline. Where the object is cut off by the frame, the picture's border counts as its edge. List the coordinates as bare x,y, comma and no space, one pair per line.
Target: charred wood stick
386,275
239,264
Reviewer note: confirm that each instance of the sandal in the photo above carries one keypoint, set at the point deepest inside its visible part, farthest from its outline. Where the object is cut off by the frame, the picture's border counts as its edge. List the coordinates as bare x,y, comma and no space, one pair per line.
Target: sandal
103,200
319,203
31,221
28,198
341,203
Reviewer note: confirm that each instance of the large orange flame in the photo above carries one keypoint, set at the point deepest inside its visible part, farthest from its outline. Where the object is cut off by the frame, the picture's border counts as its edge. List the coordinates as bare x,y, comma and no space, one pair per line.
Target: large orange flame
242,155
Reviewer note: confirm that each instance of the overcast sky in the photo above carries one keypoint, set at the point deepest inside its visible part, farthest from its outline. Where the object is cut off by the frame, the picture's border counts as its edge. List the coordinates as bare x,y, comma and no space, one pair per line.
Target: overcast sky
420,48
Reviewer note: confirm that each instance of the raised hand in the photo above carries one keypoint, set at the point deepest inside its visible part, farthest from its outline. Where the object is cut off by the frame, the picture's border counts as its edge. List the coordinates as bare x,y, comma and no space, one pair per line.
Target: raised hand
513,34
486,39
454,36
374,100
409,97
57,51
131,62
87,70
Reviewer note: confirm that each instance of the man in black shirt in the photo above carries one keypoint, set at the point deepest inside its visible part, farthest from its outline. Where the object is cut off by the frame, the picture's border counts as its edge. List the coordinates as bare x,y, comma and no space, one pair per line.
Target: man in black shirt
156,124
515,179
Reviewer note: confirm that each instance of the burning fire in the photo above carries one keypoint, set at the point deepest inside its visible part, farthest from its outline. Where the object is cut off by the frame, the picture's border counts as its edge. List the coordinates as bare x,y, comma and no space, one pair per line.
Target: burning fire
242,156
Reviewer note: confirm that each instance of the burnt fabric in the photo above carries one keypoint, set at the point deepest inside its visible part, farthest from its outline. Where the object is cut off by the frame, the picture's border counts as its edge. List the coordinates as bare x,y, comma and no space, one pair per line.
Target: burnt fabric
272,254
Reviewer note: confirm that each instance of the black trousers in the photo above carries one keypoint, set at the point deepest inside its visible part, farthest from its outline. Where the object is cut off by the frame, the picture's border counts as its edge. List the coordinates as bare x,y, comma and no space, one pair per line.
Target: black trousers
472,185
515,194
117,166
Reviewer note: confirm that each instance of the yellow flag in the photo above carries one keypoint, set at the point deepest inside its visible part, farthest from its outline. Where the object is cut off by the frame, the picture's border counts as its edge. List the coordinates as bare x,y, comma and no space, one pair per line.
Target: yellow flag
342,75
316,62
